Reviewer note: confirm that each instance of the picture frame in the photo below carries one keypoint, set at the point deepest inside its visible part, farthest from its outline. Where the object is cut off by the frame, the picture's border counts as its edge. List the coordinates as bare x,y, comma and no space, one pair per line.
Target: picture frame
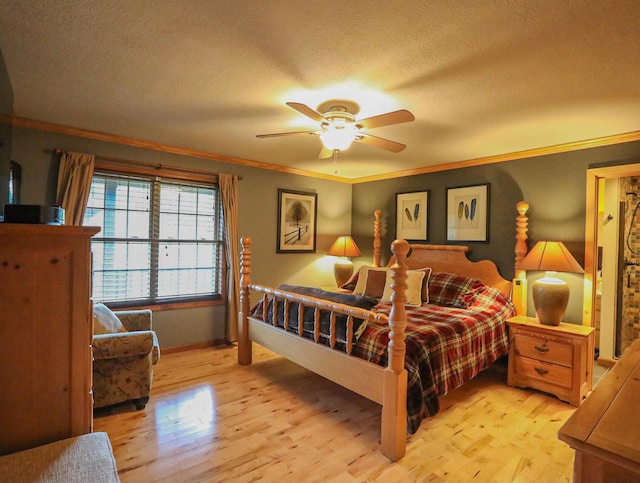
412,216
297,212
468,213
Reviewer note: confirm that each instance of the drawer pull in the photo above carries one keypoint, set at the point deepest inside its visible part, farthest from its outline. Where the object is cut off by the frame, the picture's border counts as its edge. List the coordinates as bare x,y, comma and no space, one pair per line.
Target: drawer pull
541,371
541,349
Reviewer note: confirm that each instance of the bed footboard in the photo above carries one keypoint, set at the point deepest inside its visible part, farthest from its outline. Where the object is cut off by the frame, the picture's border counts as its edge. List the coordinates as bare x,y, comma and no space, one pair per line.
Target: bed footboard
386,386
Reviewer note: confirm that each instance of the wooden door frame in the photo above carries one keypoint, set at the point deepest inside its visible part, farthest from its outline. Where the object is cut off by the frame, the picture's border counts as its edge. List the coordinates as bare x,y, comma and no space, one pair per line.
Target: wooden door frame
591,231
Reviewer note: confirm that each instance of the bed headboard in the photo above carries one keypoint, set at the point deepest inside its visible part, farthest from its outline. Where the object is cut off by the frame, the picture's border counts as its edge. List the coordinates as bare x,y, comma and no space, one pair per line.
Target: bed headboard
453,259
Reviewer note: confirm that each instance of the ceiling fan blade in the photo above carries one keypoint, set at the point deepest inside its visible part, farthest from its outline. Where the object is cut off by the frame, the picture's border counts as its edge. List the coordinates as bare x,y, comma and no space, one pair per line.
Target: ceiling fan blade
284,134
306,110
394,117
392,146
325,153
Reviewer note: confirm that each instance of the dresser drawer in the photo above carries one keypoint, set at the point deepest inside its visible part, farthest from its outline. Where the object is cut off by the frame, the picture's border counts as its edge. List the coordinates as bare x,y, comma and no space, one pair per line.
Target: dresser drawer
537,346
543,372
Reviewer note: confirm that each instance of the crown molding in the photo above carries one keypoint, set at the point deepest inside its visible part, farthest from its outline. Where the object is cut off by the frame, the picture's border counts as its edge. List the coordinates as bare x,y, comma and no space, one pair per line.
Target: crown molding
500,158
153,146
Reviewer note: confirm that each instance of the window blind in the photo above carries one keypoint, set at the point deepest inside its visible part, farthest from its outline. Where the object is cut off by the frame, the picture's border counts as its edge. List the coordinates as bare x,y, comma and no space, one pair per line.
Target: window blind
160,240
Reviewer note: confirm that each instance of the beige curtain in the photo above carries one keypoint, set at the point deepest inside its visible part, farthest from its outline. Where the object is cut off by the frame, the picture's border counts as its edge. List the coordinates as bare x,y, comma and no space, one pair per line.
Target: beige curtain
74,185
229,191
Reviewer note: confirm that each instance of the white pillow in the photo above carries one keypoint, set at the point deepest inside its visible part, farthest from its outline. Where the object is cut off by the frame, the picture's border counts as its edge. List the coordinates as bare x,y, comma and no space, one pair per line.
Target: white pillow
414,289
105,321
361,284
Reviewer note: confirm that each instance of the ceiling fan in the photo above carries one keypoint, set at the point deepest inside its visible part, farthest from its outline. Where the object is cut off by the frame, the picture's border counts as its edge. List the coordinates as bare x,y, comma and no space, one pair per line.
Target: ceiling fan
339,126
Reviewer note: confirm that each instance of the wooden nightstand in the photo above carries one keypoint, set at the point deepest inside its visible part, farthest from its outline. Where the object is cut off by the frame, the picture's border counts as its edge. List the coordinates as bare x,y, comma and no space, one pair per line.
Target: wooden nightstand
553,359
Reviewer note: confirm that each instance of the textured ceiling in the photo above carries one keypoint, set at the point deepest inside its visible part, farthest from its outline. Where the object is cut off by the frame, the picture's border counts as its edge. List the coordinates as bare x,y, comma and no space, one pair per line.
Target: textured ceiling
483,78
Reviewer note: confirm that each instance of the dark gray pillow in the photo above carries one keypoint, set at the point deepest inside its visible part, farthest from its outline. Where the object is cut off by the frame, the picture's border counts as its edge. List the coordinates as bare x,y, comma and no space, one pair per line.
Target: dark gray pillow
359,301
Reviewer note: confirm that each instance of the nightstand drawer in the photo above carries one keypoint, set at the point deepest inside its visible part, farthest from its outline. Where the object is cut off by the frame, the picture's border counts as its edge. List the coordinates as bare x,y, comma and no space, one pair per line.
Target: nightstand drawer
535,370
544,349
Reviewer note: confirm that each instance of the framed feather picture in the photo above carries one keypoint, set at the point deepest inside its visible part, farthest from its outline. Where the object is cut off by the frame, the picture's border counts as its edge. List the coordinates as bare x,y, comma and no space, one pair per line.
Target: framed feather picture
411,215
468,213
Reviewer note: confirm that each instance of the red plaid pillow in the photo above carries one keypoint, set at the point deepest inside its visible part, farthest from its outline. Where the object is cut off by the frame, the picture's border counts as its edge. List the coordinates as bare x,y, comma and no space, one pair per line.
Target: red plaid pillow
453,290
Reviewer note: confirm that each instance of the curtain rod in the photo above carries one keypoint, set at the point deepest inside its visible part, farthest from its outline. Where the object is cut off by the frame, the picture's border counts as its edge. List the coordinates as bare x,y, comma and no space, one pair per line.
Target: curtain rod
149,165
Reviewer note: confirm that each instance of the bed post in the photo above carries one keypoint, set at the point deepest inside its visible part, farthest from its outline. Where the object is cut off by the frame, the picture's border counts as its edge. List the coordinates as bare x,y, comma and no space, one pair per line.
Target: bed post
519,296
394,399
244,342
377,242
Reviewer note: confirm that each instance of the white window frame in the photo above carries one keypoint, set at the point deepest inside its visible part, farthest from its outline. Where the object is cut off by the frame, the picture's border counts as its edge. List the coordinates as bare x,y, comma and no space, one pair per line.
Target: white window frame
214,237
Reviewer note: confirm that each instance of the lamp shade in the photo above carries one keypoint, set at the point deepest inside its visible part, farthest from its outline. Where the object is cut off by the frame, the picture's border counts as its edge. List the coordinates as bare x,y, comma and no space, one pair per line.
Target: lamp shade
550,256
550,294
344,246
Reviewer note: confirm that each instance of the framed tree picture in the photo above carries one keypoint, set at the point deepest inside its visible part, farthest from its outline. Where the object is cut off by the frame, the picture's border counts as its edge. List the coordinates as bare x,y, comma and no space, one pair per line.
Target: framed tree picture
296,221
412,215
468,213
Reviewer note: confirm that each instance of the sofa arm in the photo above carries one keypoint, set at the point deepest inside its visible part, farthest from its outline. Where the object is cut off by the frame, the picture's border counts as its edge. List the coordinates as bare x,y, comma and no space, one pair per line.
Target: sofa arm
123,344
135,319
155,353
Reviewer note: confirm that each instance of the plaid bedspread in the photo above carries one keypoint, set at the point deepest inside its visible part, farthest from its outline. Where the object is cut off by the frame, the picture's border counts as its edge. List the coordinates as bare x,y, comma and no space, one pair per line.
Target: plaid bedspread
445,347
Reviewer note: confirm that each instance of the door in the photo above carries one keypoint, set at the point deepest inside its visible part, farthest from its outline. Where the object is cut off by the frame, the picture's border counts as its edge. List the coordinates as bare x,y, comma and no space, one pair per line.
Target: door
627,327
612,258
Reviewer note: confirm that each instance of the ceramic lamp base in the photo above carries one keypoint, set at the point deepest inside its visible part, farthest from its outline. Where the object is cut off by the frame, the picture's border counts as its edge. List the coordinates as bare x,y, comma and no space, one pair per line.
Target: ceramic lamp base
550,299
342,271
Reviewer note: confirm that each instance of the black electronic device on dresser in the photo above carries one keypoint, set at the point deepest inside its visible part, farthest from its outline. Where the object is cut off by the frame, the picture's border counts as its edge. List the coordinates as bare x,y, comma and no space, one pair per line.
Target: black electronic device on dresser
34,214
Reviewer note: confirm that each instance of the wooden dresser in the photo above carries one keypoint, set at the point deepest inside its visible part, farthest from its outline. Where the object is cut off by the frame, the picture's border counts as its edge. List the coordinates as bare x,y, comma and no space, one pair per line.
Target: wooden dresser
605,430
46,331
553,359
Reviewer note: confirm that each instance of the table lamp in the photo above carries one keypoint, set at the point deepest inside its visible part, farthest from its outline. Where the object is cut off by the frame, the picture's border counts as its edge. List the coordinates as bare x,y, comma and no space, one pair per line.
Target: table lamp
550,294
343,247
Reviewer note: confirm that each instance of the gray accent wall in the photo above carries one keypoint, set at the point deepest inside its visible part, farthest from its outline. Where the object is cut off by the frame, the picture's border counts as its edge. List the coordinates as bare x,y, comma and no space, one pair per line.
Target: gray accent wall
6,109
553,185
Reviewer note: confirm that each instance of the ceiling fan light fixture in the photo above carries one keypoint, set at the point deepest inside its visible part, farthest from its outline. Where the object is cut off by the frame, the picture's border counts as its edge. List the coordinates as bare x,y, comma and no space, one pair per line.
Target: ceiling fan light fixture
339,126
338,137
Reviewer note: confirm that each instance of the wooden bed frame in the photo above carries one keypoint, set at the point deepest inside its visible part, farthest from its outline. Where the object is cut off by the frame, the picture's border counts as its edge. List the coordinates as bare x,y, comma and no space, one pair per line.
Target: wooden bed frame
384,385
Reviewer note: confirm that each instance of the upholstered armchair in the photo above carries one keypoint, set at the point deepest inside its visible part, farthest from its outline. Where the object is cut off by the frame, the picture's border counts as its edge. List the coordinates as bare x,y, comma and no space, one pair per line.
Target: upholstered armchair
123,357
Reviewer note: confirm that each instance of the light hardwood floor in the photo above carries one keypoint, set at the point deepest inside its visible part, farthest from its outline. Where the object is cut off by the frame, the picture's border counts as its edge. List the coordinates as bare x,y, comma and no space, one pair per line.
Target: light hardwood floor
210,419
